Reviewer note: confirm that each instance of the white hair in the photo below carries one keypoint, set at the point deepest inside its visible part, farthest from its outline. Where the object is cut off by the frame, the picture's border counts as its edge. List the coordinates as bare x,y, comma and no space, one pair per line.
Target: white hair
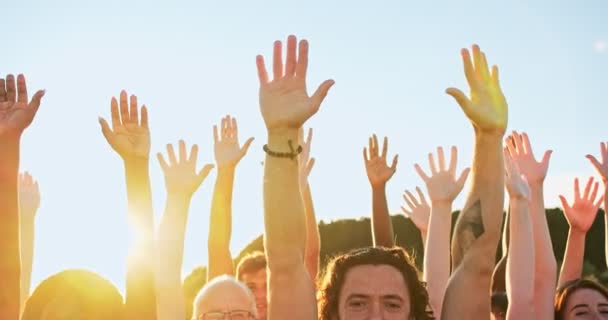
224,279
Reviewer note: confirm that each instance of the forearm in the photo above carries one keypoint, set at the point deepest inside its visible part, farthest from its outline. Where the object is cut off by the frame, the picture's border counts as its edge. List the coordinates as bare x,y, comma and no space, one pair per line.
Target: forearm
27,255
10,265
606,221
141,292
477,234
220,226
170,245
290,287
423,239
437,254
313,239
572,266
482,214
382,226
545,266
520,281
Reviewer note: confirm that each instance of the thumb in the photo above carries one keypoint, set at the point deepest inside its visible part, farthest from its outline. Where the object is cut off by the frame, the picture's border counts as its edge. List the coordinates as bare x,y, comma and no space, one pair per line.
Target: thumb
321,93
204,173
105,129
461,98
35,103
462,179
547,157
564,203
246,146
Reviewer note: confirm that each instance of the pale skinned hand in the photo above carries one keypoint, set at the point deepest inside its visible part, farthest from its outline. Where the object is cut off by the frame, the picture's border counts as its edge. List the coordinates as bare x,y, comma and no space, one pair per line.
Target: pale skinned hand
601,167
520,150
306,162
442,185
515,181
419,210
486,107
16,110
29,195
129,136
181,176
582,213
284,101
227,149
378,171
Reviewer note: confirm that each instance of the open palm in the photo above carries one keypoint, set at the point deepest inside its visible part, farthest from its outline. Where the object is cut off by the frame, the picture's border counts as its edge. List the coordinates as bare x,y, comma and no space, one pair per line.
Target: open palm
520,150
419,210
228,152
442,185
582,212
130,135
487,106
284,101
181,176
16,111
378,172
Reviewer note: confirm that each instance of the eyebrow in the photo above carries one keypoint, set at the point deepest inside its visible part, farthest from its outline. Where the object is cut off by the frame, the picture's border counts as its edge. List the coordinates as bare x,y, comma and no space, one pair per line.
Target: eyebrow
602,304
357,296
393,296
578,306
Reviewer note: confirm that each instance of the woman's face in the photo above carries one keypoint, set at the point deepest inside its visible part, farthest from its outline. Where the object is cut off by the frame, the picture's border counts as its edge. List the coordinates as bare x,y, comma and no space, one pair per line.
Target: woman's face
586,304
374,292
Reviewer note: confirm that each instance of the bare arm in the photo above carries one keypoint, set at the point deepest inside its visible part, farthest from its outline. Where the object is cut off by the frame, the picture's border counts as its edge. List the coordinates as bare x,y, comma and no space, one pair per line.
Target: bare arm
181,181
443,187
580,217
313,239
419,212
130,138
29,202
17,114
520,281
477,231
602,170
285,106
545,267
379,173
228,153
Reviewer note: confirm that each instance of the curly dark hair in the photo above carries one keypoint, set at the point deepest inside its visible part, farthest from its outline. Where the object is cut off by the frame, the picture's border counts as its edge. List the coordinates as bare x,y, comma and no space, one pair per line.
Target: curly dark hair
335,274
95,297
567,289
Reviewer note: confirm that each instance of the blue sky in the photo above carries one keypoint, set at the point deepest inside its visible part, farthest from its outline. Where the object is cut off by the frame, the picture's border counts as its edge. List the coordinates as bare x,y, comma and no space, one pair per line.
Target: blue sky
192,62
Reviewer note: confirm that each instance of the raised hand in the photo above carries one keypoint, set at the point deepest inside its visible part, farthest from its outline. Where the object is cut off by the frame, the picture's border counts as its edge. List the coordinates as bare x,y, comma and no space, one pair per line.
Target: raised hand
16,110
306,162
582,213
516,182
419,210
129,136
486,107
181,176
228,152
378,171
601,167
284,101
442,185
29,194
520,150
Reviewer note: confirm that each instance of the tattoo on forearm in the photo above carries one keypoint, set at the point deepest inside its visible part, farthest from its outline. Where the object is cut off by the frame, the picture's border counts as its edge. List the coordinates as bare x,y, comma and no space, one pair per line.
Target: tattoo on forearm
468,229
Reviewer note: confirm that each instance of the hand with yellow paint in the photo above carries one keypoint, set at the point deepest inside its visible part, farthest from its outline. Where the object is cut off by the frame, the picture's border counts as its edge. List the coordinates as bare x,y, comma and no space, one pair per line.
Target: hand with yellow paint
486,107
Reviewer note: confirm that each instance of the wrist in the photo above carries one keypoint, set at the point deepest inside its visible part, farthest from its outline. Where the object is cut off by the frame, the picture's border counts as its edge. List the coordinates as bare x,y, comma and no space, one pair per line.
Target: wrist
442,204
485,136
575,232
133,162
380,186
174,196
225,171
278,139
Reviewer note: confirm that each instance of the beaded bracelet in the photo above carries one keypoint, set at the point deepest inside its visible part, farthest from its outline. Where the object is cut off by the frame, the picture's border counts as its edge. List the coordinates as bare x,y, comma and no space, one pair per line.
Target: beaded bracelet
291,155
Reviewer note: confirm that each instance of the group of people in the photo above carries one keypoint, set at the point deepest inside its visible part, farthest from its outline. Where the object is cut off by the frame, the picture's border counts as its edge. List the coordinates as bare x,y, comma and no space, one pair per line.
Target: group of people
460,277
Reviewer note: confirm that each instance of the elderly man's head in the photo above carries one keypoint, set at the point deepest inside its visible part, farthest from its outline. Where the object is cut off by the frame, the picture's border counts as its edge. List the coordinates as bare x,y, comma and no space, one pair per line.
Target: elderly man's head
224,295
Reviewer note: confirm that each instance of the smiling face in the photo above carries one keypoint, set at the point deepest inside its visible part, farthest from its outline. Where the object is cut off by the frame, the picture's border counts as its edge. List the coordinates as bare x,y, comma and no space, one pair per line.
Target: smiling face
374,292
586,304
256,282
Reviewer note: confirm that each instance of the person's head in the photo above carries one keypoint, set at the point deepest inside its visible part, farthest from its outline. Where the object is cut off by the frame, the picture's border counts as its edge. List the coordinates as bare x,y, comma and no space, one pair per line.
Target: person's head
224,295
251,271
500,303
581,299
74,294
372,282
